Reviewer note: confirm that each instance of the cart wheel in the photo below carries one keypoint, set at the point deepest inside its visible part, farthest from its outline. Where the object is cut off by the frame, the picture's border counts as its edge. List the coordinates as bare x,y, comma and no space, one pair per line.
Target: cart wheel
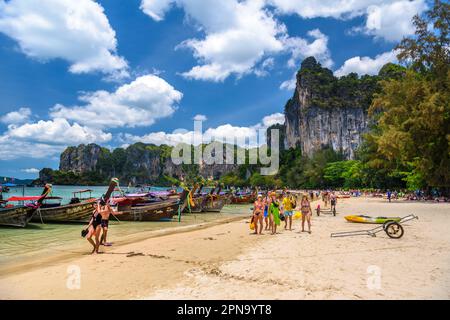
386,223
394,230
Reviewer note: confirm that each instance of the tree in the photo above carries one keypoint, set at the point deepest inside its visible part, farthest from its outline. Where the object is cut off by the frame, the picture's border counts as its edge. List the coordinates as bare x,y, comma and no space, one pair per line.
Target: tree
412,113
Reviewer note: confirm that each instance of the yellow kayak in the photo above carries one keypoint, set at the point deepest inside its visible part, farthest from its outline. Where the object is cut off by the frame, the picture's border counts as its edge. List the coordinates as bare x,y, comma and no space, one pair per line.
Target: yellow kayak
368,219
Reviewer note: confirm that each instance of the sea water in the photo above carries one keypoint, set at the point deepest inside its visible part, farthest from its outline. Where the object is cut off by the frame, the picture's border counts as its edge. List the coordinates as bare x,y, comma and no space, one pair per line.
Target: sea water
20,245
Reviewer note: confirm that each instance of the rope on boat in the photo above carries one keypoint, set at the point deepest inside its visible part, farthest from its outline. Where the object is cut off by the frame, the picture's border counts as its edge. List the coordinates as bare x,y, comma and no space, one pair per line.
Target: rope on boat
40,215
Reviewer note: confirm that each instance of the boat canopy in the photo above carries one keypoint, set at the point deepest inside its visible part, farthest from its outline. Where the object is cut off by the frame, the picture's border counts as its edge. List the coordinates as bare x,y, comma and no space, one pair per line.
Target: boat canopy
83,191
8,184
29,198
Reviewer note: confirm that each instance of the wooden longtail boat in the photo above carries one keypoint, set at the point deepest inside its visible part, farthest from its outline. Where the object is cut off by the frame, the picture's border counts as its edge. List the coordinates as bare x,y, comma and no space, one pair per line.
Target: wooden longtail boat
19,216
76,212
215,201
243,198
155,211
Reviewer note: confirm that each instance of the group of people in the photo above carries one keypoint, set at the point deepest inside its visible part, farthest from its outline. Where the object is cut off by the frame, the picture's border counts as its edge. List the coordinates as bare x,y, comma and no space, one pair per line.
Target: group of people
98,225
271,209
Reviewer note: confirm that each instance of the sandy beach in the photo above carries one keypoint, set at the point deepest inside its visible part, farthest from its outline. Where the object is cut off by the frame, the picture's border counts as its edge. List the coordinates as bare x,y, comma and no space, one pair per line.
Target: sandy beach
224,261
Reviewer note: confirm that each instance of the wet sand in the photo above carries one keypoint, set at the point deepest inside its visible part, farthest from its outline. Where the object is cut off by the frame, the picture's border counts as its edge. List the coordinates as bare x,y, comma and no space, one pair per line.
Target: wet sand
224,261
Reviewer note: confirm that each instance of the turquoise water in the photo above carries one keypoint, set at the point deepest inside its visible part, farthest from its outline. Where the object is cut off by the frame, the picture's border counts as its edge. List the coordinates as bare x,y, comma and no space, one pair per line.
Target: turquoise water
23,245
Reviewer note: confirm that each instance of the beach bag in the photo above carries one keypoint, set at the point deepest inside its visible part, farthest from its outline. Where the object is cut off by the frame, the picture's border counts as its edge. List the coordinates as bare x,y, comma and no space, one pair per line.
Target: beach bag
84,233
252,224
282,218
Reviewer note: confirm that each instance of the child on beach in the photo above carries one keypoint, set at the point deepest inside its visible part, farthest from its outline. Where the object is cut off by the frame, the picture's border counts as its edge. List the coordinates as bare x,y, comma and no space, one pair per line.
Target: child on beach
306,213
274,211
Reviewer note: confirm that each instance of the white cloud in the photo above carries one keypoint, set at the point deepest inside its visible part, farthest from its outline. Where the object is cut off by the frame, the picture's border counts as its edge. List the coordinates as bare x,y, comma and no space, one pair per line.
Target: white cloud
387,19
393,21
270,120
366,65
57,131
17,117
222,133
138,103
76,31
30,170
238,34
200,117
289,84
324,8
11,149
300,48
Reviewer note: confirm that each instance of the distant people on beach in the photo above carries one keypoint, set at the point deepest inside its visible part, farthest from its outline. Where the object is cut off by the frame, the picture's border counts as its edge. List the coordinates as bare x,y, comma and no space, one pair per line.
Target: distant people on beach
333,201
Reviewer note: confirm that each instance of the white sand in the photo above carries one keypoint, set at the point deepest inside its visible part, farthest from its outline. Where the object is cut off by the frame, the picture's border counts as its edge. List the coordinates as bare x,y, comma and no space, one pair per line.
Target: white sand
226,262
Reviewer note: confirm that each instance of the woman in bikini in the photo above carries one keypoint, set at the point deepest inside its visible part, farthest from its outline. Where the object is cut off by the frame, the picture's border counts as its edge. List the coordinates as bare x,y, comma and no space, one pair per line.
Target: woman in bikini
306,213
258,213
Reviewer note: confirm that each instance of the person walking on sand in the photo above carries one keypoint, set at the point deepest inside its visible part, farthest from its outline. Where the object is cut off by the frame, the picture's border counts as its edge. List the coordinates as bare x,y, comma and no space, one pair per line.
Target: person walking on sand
333,201
267,219
288,207
105,211
306,213
94,228
389,194
258,212
274,211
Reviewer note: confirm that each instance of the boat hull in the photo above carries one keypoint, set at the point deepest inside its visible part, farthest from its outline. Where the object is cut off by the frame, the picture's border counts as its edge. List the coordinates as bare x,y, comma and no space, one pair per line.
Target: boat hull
215,204
243,199
165,210
78,212
16,217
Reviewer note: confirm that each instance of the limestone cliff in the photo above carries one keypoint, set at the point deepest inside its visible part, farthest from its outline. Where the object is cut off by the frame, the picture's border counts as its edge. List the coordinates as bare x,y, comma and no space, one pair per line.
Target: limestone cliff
328,111
139,163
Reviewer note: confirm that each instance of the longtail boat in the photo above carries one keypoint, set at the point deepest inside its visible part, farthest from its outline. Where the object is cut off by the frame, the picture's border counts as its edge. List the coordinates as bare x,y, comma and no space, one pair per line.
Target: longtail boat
197,200
215,201
19,216
151,211
76,212
243,198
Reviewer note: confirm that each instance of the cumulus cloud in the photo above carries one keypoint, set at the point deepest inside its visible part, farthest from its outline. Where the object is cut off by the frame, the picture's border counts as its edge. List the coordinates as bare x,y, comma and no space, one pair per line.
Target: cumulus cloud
387,19
243,136
16,117
76,31
393,21
11,149
139,103
366,65
270,120
57,131
238,34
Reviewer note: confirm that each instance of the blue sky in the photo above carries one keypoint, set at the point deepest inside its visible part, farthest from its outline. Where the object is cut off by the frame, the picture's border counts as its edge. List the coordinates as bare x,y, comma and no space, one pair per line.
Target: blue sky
116,72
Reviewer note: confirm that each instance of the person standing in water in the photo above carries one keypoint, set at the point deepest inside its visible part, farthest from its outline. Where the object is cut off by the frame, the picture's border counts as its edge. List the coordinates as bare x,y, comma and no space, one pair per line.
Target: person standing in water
274,212
306,213
258,212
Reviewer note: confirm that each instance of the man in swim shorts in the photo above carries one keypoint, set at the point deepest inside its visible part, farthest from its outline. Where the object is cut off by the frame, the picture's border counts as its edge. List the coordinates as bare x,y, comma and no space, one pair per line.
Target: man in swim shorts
333,201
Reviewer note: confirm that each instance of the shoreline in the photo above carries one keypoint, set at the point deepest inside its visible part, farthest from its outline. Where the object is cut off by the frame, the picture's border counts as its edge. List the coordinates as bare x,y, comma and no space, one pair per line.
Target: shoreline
224,261
51,259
